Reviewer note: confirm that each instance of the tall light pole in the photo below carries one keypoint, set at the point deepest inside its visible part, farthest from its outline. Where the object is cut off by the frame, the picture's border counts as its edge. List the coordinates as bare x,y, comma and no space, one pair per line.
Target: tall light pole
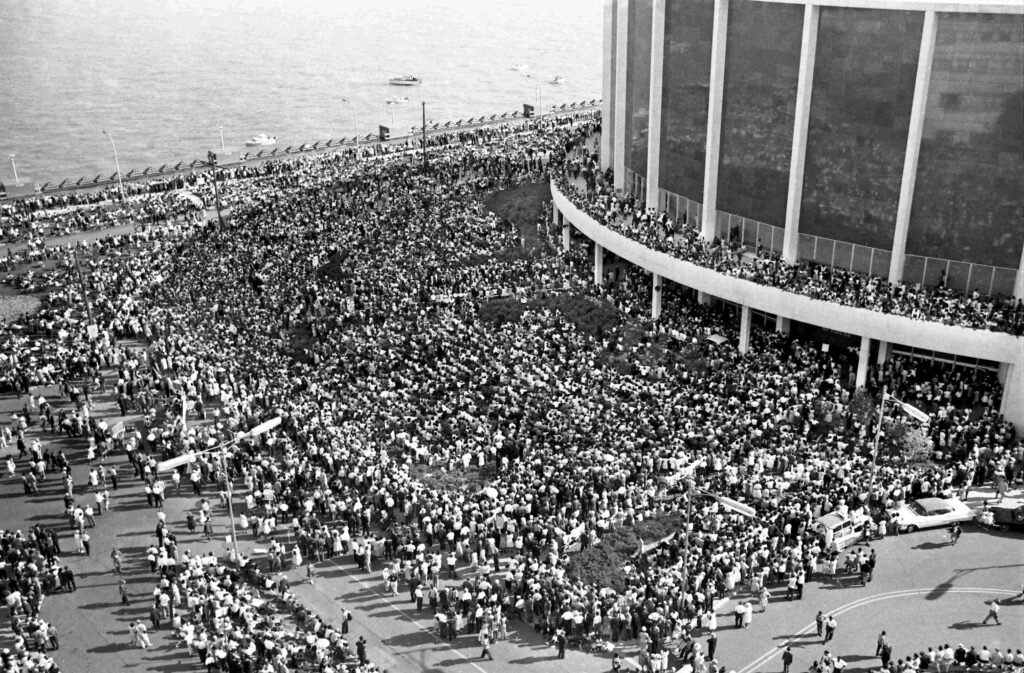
727,503
909,409
85,293
220,128
15,168
355,124
391,103
221,450
117,164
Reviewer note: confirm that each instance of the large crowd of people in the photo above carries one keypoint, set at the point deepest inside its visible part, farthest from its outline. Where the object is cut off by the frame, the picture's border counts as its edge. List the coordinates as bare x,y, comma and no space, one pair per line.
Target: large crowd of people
423,440
589,189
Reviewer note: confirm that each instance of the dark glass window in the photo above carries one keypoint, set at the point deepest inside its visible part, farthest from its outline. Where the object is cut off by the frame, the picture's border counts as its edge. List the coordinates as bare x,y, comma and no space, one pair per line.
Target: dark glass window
969,197
762,64
864,72
684,116
638,83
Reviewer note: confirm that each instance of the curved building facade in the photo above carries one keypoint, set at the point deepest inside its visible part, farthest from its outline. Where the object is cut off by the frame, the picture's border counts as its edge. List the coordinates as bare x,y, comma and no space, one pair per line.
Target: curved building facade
883,136
886,136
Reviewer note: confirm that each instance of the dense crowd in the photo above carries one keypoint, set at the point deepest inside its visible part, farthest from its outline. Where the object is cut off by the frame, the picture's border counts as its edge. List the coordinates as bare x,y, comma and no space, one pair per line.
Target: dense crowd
590,190
422,438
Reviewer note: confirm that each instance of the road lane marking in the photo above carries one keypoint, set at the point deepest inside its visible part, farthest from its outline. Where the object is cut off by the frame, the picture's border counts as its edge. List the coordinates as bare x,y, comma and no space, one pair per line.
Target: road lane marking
402,609
853,605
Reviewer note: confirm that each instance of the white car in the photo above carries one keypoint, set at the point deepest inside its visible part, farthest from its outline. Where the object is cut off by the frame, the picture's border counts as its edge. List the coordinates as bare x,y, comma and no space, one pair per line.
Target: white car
931,513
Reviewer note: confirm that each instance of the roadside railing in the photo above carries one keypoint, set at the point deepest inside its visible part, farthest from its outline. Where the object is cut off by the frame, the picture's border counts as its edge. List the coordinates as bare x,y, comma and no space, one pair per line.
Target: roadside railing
149,172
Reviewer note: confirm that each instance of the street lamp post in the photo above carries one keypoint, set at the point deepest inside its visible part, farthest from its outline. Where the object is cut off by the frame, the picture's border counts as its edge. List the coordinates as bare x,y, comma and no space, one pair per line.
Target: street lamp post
117,164
355,123
220,128
909,409
727,503
85,293
211,161
14,166
221,451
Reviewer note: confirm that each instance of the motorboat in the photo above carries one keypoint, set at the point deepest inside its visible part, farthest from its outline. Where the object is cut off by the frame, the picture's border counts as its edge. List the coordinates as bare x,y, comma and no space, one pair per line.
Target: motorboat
520,67
395,100
261,140
557,79
404,80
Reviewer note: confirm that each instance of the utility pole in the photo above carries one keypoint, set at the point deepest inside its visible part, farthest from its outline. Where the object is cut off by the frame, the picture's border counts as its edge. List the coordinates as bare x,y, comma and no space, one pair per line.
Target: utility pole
117,164
211,161
81,286
424,135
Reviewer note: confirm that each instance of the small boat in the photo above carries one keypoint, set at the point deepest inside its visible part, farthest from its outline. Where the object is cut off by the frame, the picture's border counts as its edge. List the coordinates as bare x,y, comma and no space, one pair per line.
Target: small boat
404,80
261,139
395,100
520,67
557,79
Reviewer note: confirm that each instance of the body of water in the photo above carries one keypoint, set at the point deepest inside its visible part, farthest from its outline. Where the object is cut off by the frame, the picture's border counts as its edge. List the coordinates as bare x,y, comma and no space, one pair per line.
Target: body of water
161,77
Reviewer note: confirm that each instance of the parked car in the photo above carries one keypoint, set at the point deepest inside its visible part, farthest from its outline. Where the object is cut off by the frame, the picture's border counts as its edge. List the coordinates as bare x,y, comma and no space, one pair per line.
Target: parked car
839,531
1007,515
931,513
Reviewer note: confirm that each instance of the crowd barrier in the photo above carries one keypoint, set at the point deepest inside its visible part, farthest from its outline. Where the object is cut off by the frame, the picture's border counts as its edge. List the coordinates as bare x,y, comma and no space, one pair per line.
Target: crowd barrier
346,142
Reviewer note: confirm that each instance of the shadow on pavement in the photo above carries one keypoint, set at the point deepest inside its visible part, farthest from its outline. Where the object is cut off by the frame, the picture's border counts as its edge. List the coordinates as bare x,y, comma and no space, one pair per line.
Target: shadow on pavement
930,545
966,625
527,660
414,639
939,591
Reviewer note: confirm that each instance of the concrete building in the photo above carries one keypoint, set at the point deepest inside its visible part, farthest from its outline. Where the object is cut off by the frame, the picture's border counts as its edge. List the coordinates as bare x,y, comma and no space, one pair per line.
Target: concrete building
883,136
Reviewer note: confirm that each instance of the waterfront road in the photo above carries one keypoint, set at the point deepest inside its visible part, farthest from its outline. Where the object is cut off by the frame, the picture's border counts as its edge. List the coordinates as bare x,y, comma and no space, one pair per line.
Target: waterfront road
925,592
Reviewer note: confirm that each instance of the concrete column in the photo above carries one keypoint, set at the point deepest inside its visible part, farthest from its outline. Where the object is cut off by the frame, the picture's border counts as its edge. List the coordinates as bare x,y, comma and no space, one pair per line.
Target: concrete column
654,103
608,86
719,34
554,213
744,329
924,76
703,298
656,284
801,118
566,236
1012,406
782,325
884,352
863,361
1018,282
598,264
621,56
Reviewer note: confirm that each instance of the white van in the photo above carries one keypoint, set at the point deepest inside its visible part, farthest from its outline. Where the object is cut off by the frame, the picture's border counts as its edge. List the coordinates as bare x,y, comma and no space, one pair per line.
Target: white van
841,531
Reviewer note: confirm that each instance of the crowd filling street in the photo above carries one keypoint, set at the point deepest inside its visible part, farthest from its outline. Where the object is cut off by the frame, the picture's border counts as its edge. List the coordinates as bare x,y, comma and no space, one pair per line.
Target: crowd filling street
457,461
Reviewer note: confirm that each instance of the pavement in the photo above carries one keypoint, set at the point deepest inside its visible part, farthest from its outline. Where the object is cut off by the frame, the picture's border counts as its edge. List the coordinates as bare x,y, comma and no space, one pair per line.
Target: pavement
925,592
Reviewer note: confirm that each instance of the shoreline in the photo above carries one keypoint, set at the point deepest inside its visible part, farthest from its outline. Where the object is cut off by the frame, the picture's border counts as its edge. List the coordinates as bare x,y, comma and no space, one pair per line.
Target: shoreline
258,156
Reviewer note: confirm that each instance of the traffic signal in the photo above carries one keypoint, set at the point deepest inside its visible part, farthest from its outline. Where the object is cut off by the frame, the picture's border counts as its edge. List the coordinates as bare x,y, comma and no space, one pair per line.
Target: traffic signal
527,110
211,157
383,133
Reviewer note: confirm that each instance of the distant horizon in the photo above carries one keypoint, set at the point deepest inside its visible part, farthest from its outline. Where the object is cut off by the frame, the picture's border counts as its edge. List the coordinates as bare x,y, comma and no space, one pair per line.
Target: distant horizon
162,79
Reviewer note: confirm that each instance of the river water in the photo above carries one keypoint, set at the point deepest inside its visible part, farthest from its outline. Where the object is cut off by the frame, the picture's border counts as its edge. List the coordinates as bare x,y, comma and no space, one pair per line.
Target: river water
161,77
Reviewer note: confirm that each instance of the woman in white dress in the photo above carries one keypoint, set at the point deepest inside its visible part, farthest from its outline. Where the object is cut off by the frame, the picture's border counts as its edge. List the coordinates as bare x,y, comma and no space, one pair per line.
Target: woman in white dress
296,557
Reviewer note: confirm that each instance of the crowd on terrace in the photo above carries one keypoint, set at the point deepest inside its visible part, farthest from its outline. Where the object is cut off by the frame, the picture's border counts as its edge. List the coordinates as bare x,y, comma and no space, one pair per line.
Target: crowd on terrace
464,459
589,189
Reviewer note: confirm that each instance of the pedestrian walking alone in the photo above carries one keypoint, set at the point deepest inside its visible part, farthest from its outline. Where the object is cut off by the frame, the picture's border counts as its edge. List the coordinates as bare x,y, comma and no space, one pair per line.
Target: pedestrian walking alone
485,642
830,628
787,659
122,588
993,612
